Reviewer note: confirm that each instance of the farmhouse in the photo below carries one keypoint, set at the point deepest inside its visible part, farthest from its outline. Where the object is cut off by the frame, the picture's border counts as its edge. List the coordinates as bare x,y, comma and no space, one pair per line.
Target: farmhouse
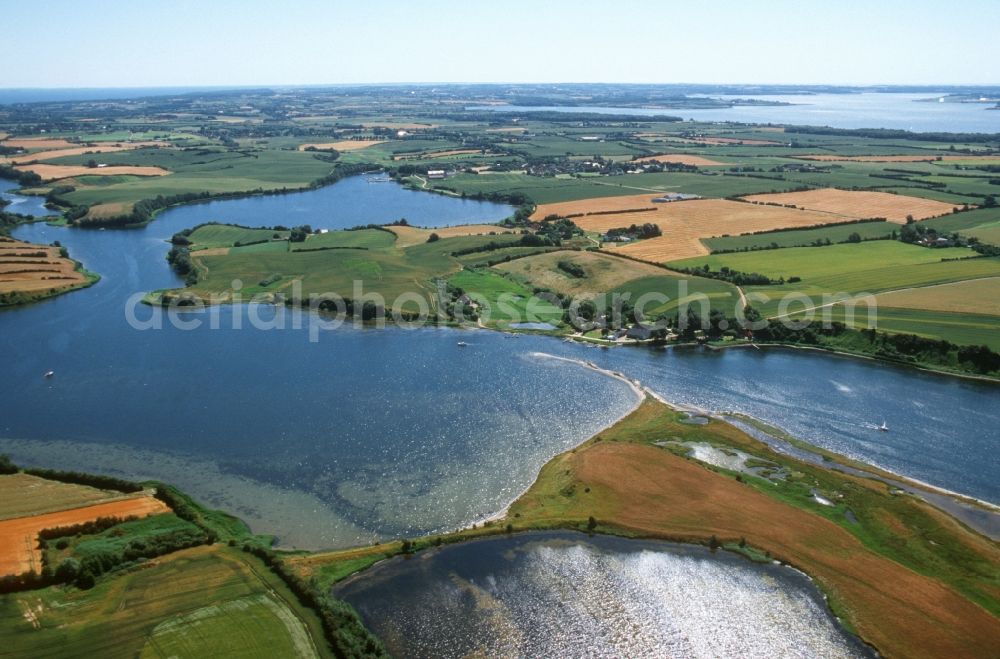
639,333
435,173
673,196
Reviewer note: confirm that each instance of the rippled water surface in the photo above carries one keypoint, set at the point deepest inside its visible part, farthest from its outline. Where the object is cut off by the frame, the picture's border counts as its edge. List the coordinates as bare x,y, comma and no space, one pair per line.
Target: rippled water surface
382,433
563,594
22,204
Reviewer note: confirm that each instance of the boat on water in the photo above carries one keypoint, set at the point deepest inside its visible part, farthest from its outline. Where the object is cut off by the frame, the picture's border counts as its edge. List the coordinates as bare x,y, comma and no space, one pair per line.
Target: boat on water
462,343
48,374
884,427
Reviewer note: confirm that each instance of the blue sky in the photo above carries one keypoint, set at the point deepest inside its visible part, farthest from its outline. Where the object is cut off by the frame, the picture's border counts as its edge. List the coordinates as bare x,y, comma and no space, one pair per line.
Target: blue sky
112,43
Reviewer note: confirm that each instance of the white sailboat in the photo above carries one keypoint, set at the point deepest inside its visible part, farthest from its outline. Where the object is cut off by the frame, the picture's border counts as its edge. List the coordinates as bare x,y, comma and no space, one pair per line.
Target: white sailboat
884,427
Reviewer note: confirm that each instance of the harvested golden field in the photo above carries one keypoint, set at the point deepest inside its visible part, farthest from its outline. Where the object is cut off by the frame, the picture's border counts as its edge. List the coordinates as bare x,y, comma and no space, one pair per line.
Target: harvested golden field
23,494
859,204
407,236
981,296
435,154
19,550
103,211
617,204
81,150
343,145
40,143
55,172
683,223
604,272
682,158
628,483
26,267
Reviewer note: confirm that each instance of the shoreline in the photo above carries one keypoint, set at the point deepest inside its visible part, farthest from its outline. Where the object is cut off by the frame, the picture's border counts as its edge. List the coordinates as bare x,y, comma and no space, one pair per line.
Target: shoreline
859,355
866,470
637,390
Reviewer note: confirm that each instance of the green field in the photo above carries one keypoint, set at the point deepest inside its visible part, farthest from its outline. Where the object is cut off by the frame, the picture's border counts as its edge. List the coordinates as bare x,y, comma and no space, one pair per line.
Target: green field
863,268
113,541
364,239
849,267
503,300
958,328
553,190
966,220
202,602
379,268
215,171
801,237
692,291
210,236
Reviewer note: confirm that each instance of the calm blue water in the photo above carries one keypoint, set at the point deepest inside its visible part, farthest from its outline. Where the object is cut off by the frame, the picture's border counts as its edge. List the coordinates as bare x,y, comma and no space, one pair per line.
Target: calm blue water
874,110
22,204
347,204
552,594
375,433
60,95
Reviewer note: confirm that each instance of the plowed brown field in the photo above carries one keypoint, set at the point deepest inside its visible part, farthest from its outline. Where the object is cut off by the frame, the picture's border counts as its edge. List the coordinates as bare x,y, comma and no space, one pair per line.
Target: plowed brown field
19,550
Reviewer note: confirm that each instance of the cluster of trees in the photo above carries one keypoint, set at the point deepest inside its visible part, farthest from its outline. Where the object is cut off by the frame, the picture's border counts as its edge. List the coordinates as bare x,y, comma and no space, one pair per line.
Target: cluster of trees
83,571
6,465
346,634
907,348
894,134
572,269
24,179
300,233
914,232
737,277
366,311
641,231
179,257
521,216
855,237
526,240
559,230
79,478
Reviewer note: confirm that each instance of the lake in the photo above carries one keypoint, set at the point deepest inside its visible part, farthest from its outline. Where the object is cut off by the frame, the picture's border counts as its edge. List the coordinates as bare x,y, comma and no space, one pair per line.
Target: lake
369,434
867,110
567,594
22,204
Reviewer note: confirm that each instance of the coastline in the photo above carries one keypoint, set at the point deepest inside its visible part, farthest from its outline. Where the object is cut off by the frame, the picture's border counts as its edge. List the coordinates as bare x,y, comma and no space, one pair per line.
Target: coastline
913,486
640,396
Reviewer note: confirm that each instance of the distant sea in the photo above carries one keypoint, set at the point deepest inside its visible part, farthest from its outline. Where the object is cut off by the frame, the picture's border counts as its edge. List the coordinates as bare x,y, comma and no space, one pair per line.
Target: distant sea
867,110
39,95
